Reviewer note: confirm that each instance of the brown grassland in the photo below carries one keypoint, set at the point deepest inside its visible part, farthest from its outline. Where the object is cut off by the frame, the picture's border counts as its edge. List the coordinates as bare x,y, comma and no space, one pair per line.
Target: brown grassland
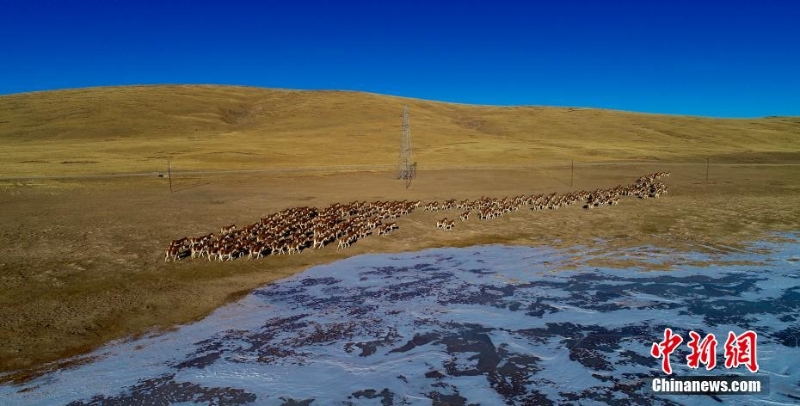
85,221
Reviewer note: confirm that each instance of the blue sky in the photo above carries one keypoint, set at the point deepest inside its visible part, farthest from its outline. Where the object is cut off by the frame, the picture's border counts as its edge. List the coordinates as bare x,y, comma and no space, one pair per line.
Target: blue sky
725,59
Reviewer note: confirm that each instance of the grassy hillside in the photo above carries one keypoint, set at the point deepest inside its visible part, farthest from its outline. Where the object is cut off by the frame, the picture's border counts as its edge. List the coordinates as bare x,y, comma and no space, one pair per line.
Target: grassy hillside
137,128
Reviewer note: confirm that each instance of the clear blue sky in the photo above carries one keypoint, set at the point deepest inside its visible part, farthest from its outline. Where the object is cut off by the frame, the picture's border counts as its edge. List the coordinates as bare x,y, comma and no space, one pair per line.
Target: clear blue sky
726,58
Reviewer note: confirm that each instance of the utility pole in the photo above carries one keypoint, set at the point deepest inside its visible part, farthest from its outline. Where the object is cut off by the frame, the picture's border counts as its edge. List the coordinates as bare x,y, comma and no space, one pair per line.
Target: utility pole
406,167
572,174
169,174
708,164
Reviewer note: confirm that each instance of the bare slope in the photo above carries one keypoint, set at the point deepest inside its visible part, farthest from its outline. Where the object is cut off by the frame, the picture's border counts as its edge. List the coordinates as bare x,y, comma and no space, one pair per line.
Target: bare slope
137,128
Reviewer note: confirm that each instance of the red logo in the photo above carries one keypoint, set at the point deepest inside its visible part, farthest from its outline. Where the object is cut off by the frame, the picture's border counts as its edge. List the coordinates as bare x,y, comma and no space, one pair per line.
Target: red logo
739,350
702,351
665,348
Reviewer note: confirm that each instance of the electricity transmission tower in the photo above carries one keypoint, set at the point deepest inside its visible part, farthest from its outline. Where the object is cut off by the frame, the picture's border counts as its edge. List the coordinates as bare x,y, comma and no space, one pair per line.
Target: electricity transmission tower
406,167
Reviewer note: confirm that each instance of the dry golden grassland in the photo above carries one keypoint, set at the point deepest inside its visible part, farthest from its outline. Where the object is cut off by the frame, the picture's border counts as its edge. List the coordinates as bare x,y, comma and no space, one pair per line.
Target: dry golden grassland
82,258
137,129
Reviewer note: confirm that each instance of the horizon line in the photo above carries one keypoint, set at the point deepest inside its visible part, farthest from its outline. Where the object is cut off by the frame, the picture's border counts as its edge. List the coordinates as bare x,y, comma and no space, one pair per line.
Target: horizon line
63,89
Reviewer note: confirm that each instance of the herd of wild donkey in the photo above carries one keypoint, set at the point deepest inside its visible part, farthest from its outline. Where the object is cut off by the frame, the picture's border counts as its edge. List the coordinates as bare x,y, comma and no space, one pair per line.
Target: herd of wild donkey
295,229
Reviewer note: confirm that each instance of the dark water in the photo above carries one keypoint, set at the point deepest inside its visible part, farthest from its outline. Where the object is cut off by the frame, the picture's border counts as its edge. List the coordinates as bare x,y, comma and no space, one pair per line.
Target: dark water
486,324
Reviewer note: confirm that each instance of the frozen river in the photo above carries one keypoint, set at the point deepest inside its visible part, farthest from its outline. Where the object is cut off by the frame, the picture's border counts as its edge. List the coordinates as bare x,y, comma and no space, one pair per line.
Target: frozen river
485,324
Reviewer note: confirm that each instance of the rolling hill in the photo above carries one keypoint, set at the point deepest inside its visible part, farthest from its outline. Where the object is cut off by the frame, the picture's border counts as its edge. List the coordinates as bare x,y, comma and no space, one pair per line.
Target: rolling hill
138,128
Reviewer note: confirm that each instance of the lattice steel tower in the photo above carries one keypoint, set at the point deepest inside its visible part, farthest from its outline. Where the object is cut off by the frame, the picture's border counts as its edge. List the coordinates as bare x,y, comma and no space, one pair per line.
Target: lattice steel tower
406,167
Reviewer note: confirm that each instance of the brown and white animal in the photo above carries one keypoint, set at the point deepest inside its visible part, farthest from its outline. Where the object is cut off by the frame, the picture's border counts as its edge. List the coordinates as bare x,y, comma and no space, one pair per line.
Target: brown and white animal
198,249
173,253
388,228
176,249
226,253
345,241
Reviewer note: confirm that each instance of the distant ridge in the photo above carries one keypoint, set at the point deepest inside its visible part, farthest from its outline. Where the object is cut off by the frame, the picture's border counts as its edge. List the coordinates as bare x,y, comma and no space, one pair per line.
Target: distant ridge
209,127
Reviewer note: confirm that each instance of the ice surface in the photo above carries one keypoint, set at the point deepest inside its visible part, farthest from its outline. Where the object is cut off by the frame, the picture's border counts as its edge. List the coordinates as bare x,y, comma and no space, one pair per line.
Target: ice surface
486,324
